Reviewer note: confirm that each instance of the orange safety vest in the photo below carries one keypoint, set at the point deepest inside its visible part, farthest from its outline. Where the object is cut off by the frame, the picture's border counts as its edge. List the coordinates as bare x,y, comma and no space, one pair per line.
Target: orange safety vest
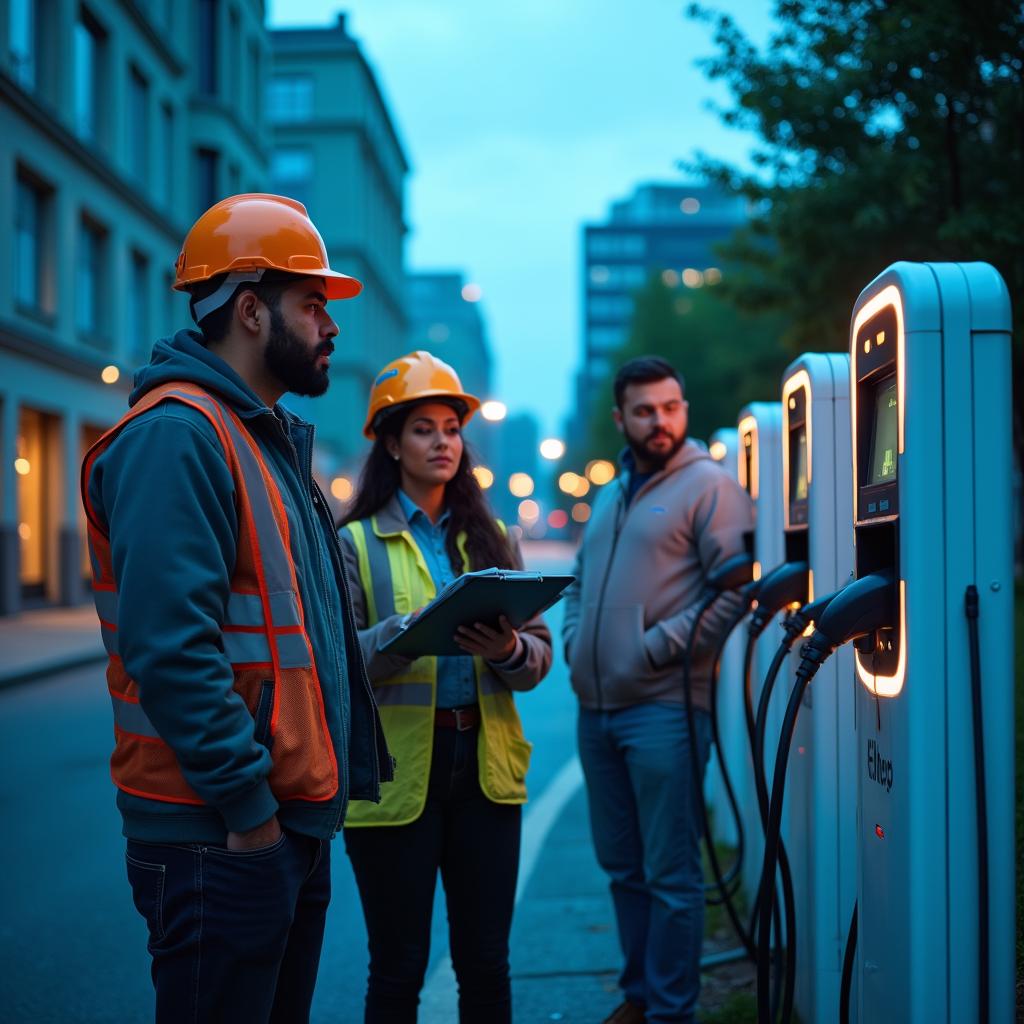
263,631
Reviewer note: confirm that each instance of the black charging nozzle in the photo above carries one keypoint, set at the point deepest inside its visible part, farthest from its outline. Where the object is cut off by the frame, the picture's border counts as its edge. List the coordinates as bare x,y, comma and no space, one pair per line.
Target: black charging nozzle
859,609
784,585
732,574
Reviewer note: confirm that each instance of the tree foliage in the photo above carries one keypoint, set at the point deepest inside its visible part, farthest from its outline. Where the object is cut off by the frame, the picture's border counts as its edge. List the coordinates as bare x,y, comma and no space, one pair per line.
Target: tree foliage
728,357
889,129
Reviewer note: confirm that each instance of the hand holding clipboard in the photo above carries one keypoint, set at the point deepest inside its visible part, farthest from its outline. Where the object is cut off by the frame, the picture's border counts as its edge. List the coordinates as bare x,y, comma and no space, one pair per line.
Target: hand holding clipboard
482,596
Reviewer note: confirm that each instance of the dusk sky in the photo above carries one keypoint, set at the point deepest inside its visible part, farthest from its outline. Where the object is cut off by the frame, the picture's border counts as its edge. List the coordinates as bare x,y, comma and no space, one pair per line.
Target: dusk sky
521,122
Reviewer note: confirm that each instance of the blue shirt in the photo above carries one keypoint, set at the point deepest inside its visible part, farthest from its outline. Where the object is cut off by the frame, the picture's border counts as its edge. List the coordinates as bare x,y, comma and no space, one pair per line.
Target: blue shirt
456,677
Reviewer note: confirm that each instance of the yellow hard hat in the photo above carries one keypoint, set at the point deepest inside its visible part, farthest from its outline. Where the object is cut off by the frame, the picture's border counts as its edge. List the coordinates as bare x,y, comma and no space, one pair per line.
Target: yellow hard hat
246,235
413,378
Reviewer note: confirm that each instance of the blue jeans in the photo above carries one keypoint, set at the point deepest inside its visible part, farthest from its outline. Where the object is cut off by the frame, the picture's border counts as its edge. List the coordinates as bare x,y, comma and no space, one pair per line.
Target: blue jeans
646,830
233,936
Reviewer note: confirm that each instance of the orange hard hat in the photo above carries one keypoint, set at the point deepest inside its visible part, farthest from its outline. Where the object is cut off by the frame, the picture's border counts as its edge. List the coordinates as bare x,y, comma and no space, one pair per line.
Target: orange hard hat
245,235
413,378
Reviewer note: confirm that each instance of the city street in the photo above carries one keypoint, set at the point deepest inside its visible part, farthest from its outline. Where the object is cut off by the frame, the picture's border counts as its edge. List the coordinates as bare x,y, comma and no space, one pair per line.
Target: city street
74,948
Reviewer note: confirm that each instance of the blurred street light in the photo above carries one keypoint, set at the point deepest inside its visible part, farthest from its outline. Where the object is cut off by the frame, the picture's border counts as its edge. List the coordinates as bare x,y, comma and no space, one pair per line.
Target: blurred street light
557,519
110,374
718,450
494,411
22,467
580,512
600,472
551,448
472,292
341,488
529,510
484,477
520,485
568,482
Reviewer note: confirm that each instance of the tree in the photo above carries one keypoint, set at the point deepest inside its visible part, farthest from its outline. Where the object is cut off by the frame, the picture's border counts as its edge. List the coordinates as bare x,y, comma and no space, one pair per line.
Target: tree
728,357
889,129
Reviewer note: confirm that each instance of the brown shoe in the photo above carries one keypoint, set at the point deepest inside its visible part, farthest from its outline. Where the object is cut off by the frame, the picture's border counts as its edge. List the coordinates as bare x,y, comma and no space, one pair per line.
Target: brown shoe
626,1013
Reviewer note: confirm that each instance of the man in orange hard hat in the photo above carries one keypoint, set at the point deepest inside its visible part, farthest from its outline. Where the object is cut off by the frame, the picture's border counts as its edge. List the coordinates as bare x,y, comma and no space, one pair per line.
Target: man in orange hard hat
243,718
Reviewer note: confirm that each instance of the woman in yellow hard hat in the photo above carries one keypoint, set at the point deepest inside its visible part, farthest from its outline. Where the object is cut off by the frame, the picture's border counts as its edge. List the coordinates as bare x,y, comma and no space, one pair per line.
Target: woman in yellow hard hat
418,520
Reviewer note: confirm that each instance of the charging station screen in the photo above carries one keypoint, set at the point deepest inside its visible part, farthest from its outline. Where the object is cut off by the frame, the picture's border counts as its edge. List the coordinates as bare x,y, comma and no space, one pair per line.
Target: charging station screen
798,463
882,465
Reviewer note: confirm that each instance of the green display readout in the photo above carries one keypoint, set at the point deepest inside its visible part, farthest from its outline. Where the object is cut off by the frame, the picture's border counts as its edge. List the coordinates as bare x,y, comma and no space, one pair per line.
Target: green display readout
882,468
798,463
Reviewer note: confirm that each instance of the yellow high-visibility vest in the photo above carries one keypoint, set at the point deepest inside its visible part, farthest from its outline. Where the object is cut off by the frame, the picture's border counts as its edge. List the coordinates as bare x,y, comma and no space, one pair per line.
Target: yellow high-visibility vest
395,580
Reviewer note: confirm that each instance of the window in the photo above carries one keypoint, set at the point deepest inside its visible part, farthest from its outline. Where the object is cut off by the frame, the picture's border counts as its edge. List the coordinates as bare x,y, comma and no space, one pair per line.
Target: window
630,246
291,172
32,286
609,307
164,182
23,29
89,63
617,276
207,44
207,189
89,305
255,81
604,339
233,72
138,303
290,98
138,125
35,469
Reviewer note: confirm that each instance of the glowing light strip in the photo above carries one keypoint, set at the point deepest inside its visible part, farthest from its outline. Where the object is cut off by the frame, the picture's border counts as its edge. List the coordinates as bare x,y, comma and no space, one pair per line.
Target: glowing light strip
748,428
800,379
888,686
881,686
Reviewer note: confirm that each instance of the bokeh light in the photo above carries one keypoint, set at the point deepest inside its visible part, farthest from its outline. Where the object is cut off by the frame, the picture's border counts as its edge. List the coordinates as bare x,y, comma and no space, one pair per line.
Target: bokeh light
520,485
494,410
580,512
551,448
341,488
472,292
558,518
600,472
529,510
484,477
110,374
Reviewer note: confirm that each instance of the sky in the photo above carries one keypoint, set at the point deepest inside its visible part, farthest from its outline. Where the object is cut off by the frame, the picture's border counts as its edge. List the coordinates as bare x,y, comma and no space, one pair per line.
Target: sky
523,121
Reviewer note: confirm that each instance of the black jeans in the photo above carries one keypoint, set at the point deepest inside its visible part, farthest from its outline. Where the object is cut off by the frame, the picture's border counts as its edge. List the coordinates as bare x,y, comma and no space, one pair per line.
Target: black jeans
475,844
233,936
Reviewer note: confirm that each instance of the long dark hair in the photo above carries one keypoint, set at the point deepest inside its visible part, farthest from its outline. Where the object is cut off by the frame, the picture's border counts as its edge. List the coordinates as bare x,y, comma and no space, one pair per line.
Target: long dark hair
470,512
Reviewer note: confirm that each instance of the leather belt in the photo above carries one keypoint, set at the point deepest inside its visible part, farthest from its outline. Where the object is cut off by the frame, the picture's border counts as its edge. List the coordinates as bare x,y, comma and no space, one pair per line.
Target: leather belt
461,719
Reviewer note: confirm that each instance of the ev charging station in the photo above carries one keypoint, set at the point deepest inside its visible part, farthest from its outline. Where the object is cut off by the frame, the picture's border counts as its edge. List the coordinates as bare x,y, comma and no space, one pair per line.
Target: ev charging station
930,385
732,729
822,789
759,471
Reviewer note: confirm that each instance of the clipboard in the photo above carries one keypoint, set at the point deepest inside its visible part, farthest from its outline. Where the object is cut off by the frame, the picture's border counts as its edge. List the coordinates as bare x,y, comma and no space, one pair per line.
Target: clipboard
481,596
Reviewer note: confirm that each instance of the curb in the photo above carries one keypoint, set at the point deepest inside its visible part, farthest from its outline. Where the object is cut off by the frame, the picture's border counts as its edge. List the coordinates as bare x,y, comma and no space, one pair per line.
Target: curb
51,667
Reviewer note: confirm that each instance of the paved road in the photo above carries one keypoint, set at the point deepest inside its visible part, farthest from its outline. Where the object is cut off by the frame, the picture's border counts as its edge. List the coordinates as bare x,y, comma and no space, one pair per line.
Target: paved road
72,947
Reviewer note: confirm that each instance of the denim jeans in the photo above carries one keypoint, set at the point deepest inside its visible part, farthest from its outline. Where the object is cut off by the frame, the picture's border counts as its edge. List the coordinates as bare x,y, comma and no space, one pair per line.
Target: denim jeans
646,831
474,843
234,936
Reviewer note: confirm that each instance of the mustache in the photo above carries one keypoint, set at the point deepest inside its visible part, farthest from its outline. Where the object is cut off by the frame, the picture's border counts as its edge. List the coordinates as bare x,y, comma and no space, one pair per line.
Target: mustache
325,348
659,433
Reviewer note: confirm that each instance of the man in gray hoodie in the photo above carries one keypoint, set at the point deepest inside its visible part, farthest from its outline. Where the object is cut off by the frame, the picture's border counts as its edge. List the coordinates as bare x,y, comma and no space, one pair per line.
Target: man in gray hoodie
656,533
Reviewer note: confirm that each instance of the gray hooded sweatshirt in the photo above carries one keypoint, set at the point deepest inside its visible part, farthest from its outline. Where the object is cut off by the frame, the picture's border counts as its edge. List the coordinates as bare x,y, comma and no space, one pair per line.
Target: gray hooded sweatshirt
640,575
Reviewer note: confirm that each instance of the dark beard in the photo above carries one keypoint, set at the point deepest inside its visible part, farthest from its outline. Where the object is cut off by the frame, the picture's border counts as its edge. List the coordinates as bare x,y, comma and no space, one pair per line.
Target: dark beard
290,361
657,460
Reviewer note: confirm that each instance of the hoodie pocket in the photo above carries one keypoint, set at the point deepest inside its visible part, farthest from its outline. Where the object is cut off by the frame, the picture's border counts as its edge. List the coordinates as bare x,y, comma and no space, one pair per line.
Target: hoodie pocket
622,658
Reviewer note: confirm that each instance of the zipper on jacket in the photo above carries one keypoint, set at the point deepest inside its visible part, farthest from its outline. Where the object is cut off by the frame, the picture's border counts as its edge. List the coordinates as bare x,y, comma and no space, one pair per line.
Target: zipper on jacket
620,518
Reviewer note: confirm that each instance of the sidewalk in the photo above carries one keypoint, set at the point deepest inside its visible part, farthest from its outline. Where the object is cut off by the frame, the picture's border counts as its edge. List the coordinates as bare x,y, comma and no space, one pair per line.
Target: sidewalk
49,640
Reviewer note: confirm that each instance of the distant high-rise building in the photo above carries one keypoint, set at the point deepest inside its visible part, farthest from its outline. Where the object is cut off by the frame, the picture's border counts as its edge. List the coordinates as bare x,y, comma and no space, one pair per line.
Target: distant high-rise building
336,149
445,319
660,229
121,123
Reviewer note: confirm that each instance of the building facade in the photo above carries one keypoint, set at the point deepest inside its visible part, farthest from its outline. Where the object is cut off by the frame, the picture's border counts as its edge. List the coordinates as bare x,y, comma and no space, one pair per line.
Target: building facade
121,123
336,149
663,229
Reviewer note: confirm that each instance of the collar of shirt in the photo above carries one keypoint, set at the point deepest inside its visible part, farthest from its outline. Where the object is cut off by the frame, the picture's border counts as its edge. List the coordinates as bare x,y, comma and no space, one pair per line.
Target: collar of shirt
414,513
